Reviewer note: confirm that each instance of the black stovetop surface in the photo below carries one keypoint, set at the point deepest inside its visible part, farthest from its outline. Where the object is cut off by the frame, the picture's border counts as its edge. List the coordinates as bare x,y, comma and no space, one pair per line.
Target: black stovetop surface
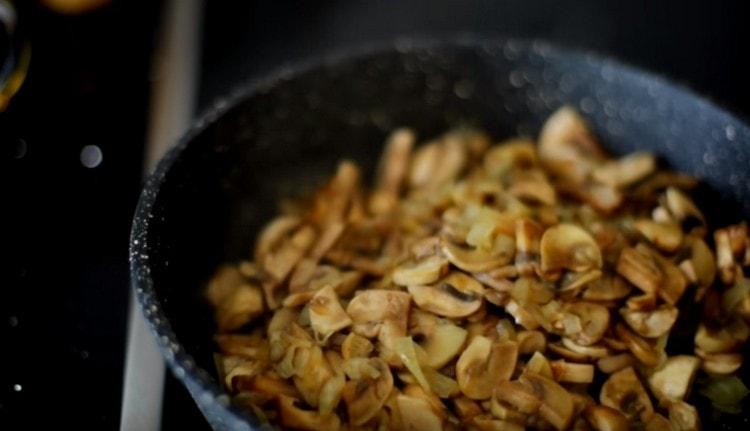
63,309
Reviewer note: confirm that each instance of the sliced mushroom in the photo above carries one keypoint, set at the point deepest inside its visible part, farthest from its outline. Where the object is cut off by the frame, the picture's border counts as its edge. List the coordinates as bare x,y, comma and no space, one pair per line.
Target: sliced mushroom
273,386
294,416
640,268
478,259
651,324
530,342
720,363
356,346
683,416
591,351
466,408
603,418
326,314
457,295
684,210
624,392
614,363
724,256
570,372
425,271
509,155
365,397
591,321
674,283
417,414
239,307
311,371
538,364
273,233
437,163
394,164
336,199
665,236
556,403
443,344
625,171
609,287
532,186
523,315
640,348
658,422
528,237
488,423
519,396
506,412
483,365
702,265
721,340
386,312
223,283
567,246
674,379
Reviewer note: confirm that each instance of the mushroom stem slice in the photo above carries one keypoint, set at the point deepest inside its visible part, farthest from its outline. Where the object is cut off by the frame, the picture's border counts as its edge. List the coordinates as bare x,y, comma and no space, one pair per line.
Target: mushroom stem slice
674,379
570,372
568,246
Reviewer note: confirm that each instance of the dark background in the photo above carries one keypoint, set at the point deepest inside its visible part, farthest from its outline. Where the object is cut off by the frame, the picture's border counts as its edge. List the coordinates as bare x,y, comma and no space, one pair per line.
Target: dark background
65,226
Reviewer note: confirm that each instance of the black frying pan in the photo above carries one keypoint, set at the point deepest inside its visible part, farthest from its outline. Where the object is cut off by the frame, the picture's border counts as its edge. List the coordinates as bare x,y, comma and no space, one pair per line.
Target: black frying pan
283,135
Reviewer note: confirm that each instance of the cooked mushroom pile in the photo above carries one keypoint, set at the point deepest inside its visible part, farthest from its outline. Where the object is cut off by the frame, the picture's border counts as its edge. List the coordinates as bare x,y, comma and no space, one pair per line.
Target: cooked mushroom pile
486,287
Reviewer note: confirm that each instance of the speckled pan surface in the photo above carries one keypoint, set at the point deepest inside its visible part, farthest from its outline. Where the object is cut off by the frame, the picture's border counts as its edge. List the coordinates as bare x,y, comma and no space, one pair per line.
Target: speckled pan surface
281,136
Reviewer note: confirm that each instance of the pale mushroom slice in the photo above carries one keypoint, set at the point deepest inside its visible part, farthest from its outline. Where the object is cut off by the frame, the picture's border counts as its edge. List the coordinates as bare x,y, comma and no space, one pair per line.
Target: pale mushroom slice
486,422
658,422
364,397
479,259
528,237
296,417
457,295
311,371
505,411
640,268
609,287
724,256
614,363
483,365
567,148
722,339
568,246
625,171
570,372
530,342
417,414
443,344
673,380
603,418
701,266
591,351
519,396
556,403
436,163
424,271
326,314
665,236
684,210
356,346
719,363
683,416
624,392
584,322
653,323
334,201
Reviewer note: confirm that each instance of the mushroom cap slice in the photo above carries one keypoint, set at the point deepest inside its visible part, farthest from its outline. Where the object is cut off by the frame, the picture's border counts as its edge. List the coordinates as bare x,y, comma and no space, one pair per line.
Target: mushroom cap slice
425,271
658,422
239,307
684,210
571,372
683,416
456,295
624,392
382,313
293,416
483,365
592,322
640,348
625,171
365,397
603,418
720,363
640,268
417,414
480,259
674,379
567,246
443,344
556,403
665,236
651,324
326,314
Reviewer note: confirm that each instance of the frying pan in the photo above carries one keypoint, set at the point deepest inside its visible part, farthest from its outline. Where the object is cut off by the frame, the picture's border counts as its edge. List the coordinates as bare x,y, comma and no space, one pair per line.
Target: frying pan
282,135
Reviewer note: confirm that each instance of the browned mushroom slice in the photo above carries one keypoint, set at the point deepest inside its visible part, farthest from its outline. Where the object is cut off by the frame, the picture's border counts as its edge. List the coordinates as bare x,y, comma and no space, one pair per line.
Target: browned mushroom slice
567,148
436,163
296,417
538,364
273,233
523,315
505,411
483,365
724,256
311,371
394,164
674,379
365,396
640,268
719,363
240,307
589,322
479,259
424,271
530,342
417,414
651,324
253,345
518,396
674,283
603,418
702,266
614,363
556,403
356,346
684,210
625,171
271,385
609,287
683,416
640,348
326,314
723,339
532,186
386,311
334,201
508,155
223,283
466,408
591,351
624,392
658,422
665,236
567,246
457,295
570,372
488,423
